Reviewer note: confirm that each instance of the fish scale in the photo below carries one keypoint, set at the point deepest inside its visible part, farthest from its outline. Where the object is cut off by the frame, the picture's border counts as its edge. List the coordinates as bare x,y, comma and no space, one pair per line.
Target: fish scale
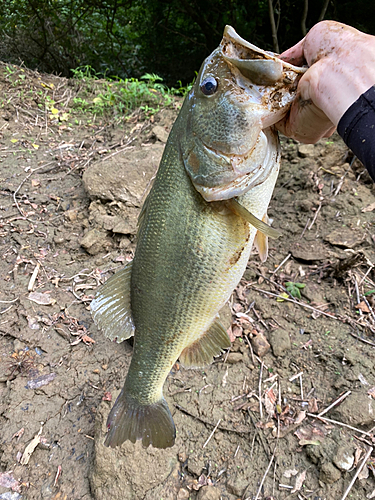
194,240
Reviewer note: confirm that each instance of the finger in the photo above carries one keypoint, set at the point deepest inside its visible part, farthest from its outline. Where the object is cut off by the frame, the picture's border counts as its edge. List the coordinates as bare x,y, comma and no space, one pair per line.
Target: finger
306,123
295,55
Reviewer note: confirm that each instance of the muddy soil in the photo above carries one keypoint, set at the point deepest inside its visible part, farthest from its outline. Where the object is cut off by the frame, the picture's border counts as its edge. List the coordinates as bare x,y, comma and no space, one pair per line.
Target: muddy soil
71,186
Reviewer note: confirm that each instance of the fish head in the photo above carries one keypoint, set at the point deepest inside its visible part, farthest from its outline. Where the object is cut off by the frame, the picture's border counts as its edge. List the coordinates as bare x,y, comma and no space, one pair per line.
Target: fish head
239,93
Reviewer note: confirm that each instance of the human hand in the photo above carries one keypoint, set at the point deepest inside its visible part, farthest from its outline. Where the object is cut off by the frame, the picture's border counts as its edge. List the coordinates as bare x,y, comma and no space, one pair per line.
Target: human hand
341,64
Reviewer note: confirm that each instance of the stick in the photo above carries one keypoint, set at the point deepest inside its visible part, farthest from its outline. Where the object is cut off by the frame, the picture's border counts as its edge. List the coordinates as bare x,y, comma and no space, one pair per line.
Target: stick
212,433
302,304
263,478
282,263
325,419
361,339
315,216
357,473
334,403
33,277
260,391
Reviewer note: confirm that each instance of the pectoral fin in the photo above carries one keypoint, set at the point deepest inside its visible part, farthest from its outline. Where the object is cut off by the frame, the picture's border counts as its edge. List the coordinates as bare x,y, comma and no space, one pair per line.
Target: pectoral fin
111,307
238,209
261,242
201,352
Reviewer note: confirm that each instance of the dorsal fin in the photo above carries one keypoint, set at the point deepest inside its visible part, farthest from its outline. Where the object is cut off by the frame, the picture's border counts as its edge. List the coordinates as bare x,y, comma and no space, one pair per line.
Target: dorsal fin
111,309
210,344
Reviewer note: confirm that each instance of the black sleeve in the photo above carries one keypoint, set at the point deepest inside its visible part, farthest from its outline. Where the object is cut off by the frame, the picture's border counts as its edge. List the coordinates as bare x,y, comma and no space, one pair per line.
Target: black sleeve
357,128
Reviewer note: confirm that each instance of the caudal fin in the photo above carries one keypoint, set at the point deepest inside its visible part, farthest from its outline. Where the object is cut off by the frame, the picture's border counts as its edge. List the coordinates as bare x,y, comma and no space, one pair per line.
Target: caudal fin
128,420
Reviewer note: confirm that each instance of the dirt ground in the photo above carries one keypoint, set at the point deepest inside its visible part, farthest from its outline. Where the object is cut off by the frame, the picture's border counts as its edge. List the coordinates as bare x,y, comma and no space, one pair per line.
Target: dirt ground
71,186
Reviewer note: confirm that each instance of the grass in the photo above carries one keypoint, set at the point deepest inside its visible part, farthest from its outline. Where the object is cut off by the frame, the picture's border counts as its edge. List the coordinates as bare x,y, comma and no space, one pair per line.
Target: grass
119,96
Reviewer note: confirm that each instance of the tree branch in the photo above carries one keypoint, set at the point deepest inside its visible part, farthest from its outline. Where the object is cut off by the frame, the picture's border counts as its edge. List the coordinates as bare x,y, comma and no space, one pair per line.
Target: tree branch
273,27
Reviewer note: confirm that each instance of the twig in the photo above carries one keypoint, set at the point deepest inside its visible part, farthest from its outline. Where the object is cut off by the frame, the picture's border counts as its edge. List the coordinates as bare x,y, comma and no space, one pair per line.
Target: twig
302,304
260,390
19,187
33,277
315,216
263,478
282,263
361,339
212,433
325,419
369,307
8,301
338,400
304,229
367,456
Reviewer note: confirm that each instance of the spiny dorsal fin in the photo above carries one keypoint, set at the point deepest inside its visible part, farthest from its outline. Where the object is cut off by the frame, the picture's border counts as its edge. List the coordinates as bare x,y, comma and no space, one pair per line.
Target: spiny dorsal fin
111,307
238,209
210,344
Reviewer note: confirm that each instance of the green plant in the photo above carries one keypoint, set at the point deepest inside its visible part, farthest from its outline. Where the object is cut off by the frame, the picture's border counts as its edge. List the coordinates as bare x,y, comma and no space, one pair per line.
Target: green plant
294,288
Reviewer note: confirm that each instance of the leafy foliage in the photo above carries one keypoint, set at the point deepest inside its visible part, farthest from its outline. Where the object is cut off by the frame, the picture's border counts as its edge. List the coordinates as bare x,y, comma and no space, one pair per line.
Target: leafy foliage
168,37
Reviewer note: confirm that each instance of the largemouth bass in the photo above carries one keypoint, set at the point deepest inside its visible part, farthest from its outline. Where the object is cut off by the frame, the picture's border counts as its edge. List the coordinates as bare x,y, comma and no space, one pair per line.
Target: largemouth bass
196,230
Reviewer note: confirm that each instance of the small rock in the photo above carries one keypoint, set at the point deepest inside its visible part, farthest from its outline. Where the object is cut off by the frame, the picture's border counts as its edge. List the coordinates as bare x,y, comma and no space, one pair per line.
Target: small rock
260,344
344,458
280,342
160,133
95,241
237,484
329,473
358,409
58,240
345,237
234,357
306,150
183,494
209,493
309,251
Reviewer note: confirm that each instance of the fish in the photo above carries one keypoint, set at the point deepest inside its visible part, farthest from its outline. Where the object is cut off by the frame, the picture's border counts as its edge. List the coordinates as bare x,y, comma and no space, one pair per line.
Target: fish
206,208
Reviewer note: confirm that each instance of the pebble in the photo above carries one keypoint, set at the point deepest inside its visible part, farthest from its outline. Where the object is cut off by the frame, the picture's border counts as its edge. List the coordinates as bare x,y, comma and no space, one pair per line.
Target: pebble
209,493
329,473
260,344
306,150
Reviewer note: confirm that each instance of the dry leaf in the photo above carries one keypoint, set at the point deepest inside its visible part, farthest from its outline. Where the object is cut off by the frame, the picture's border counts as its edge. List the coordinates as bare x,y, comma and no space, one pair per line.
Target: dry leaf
31,447
300,417
363,307
290,472
269,403
299,482
43,299
369,208
8,481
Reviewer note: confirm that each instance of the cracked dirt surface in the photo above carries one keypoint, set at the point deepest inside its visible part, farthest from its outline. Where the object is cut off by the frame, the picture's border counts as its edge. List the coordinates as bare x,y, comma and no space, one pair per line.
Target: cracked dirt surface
71,187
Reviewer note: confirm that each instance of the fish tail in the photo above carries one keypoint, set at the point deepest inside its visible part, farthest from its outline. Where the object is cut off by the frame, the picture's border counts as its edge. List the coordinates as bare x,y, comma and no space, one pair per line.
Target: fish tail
129,420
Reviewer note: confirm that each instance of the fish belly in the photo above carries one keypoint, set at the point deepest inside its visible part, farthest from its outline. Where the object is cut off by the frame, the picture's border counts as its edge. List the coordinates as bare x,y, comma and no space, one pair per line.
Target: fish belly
188,260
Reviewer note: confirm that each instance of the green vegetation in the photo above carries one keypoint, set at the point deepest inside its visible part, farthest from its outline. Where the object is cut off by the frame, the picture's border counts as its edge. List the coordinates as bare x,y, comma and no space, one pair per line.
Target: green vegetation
168,37
120,96
294,288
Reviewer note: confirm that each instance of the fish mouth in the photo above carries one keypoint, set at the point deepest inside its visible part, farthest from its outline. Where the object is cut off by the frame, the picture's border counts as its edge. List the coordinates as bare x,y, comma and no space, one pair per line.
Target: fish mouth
246,171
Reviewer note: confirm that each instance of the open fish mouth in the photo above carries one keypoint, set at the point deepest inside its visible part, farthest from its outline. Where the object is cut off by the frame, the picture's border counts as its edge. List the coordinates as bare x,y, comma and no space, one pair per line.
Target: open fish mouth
247,170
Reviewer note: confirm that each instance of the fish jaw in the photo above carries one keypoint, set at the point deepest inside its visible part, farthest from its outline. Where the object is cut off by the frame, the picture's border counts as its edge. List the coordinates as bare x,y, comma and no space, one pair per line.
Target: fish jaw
226,136
252,170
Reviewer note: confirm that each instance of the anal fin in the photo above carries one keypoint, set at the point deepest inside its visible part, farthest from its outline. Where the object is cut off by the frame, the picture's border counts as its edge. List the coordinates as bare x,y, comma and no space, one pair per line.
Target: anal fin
111,309
210,344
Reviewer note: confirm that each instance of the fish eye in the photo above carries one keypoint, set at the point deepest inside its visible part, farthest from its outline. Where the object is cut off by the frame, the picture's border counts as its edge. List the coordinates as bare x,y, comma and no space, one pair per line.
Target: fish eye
209,85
